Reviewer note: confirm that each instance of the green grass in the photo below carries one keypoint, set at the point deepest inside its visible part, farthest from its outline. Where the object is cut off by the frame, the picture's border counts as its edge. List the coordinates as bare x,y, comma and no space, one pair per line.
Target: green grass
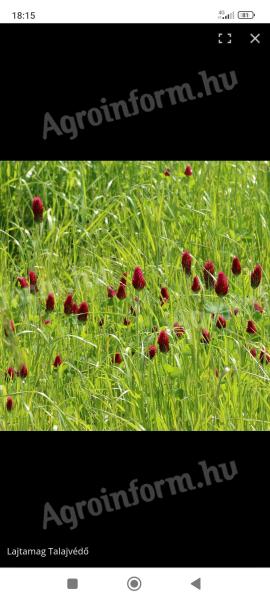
104,218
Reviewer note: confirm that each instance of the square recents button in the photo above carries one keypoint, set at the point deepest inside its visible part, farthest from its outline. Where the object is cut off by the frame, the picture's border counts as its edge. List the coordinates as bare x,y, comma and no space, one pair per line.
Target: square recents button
72,584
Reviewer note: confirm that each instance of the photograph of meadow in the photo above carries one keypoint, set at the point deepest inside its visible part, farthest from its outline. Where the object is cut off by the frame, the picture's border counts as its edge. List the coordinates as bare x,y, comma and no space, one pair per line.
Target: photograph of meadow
134,296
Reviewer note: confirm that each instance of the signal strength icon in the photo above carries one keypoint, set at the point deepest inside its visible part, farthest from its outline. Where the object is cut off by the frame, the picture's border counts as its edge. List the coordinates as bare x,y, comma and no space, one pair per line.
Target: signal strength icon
222,15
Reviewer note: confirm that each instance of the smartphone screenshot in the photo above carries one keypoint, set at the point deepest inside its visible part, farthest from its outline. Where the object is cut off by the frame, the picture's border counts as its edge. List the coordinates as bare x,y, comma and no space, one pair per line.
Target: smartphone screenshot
134,301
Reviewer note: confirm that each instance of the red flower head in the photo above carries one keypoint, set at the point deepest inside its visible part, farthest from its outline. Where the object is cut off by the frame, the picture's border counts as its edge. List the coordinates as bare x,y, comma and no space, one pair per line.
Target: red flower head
256,276
50,302
111,292
163,341
236,266
23,371
221,285
208,272
164,295
121,292
186,262
117,358
188,171
75,308
47,322
126,321
264,356
9,403
57,361
23,282
83,312
236,311
167,172
152,350
32,277
251,327
9,328
196,286
253,352
33,282
179,330
37,207
10,374
68,305
206,337
258,308
138,280
221,322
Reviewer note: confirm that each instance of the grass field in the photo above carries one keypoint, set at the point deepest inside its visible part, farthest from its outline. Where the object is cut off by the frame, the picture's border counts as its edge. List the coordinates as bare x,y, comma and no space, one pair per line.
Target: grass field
100,220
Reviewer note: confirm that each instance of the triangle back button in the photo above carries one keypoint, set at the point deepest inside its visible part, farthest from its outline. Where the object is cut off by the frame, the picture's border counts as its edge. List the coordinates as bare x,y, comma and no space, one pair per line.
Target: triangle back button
196,583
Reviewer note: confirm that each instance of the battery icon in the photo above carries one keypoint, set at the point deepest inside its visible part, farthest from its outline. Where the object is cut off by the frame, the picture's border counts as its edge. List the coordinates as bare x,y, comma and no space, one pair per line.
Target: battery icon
246,14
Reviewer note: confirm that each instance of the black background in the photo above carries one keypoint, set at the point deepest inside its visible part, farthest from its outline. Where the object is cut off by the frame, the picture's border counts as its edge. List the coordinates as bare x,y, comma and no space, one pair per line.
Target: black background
220,525
62,70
